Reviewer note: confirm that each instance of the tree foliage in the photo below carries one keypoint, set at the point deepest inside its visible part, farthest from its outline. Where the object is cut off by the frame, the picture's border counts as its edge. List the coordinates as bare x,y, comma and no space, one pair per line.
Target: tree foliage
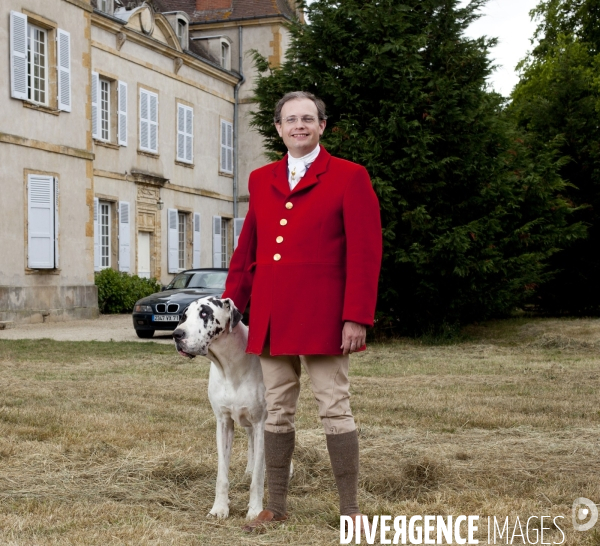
469,213
558,100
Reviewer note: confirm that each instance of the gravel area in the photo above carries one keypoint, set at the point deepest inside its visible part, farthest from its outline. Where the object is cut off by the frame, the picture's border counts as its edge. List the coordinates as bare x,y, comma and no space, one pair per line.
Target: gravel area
105,328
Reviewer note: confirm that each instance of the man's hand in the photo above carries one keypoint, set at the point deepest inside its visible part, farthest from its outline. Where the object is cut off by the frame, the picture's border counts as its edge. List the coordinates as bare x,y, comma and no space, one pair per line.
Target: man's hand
354,336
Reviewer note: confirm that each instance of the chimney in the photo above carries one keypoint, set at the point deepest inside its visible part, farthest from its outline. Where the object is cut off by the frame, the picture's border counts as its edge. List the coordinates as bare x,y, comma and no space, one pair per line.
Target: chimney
205,5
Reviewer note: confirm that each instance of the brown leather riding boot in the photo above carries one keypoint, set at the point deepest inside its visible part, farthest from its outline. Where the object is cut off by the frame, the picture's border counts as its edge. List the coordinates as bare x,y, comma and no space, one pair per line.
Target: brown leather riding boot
279,447
343,454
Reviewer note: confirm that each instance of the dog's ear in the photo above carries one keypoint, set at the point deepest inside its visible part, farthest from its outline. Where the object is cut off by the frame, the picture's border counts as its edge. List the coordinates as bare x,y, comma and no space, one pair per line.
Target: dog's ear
234,315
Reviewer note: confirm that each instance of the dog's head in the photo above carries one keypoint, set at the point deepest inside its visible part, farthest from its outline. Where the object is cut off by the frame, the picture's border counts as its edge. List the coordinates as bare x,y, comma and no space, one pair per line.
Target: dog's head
202,322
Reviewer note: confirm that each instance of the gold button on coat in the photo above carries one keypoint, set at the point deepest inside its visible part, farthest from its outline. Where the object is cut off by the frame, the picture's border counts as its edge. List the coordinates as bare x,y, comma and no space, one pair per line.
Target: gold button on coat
283,222
279,239
289,205
277,257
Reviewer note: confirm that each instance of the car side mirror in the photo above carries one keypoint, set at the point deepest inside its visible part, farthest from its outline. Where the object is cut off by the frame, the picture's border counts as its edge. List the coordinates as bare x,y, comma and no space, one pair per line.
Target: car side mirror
163,288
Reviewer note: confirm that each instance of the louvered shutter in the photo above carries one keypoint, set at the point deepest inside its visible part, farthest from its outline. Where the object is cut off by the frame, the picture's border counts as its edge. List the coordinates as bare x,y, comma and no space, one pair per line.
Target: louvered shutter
180,132
229,131
223,146
40,222
217,241
238,223
153,122
56,222
96,235
172,241
185,133
95,106
144,121
189,135
196,241
124,236
18,55
122,112
64,70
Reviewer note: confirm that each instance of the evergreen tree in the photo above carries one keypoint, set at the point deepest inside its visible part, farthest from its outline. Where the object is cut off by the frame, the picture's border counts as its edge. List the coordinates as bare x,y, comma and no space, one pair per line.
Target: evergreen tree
469,214
558,99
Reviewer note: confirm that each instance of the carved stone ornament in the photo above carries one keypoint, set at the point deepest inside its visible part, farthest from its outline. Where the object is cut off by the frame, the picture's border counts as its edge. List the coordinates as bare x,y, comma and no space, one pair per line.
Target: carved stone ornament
177,64
121,37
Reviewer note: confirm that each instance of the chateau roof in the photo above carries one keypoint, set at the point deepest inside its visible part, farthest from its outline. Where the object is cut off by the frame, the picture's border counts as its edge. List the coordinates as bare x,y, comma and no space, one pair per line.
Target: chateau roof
239,9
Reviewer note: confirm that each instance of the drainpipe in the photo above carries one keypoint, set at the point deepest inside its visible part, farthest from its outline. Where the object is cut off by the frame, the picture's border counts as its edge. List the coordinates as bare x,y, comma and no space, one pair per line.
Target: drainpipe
236,109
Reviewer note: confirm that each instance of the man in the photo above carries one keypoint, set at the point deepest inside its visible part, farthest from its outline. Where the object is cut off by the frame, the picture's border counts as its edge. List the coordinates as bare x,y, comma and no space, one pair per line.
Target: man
309,254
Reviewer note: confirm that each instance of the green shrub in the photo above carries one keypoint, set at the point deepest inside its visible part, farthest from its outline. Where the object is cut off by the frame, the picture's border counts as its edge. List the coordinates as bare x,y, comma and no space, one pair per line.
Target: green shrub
118,292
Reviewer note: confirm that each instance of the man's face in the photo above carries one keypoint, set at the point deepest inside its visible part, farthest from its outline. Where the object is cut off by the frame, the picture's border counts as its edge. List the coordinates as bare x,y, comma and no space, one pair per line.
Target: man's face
302,136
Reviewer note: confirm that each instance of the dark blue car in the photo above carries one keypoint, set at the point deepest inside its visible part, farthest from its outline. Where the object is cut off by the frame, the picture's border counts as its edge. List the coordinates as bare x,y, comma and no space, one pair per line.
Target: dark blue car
162,311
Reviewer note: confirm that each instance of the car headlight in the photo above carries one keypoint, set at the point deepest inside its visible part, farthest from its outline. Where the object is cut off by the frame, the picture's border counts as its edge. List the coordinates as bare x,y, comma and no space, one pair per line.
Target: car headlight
142,309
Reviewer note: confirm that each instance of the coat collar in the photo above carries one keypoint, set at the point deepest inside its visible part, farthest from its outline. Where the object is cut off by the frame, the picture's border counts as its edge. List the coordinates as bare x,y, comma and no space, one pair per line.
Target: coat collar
280,174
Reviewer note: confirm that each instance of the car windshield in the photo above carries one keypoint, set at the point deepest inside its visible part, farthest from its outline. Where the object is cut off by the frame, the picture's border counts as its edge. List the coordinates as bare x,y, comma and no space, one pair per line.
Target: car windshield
201,279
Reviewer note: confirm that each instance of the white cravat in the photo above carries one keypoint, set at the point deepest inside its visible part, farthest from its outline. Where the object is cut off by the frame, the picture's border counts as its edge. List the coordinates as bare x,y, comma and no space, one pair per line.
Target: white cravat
297,166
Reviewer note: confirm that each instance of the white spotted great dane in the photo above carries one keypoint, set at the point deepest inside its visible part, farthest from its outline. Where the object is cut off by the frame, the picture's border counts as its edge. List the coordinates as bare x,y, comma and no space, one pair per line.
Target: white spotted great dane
212,327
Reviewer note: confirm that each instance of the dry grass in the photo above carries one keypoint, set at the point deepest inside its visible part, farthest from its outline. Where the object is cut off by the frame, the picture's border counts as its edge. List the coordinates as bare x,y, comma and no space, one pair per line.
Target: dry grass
113,443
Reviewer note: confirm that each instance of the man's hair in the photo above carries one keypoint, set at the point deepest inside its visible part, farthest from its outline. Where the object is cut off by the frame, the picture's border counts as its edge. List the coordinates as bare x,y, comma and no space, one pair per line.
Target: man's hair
298,95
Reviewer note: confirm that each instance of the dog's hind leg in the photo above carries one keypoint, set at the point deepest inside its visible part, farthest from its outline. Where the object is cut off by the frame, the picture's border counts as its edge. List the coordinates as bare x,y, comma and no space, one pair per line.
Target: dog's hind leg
257,487
220,507
250,465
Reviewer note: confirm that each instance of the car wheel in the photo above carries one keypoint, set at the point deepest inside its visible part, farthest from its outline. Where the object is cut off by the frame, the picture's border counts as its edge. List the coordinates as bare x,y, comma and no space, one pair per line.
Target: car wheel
144,334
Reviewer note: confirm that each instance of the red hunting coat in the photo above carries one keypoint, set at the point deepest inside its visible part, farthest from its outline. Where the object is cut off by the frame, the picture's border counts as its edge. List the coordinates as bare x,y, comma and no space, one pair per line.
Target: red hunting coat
309,257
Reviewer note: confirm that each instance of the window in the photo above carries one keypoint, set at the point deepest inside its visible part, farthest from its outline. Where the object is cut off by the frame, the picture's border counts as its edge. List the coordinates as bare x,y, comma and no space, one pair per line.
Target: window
37,64
224,237
104,110
104,5
220,241
31,76
42,222
104,226
181,32
148,121
225,55
181,231
185,133
226,147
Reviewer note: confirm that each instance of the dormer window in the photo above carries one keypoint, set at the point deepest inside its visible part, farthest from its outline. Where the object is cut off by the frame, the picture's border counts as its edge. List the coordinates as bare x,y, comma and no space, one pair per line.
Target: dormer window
105,5
225,55
180,31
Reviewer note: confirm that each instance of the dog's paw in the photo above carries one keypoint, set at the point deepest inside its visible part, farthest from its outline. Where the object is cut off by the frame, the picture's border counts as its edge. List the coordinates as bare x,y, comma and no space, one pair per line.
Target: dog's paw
219,512
291,470
253,512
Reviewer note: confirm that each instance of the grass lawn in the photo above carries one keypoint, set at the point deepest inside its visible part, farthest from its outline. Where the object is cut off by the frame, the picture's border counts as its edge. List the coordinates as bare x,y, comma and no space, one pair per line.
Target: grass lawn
114,443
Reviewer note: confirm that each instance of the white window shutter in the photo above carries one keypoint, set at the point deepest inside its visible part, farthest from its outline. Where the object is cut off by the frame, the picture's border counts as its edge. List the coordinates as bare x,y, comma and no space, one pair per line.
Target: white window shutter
223,146
18,55
144,121
189,135
122,113
40,222
96,235
185,133
95,106
64,70
181,132
196,241
229,147
238,223
172,241
217,241
124,236
153,122
56,219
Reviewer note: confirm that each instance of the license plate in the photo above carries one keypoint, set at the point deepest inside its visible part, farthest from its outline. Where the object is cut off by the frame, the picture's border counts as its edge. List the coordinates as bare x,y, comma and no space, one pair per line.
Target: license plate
166,318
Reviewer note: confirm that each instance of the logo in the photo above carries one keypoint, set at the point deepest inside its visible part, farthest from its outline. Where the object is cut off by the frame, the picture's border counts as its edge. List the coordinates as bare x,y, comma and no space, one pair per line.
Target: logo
582,510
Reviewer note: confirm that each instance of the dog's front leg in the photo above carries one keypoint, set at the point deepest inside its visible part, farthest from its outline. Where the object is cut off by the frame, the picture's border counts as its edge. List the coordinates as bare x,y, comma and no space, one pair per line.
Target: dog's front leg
250,465
220,507
257,487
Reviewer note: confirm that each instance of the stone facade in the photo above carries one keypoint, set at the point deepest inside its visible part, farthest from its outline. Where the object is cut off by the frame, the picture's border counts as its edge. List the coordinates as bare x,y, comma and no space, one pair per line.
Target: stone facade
142,161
